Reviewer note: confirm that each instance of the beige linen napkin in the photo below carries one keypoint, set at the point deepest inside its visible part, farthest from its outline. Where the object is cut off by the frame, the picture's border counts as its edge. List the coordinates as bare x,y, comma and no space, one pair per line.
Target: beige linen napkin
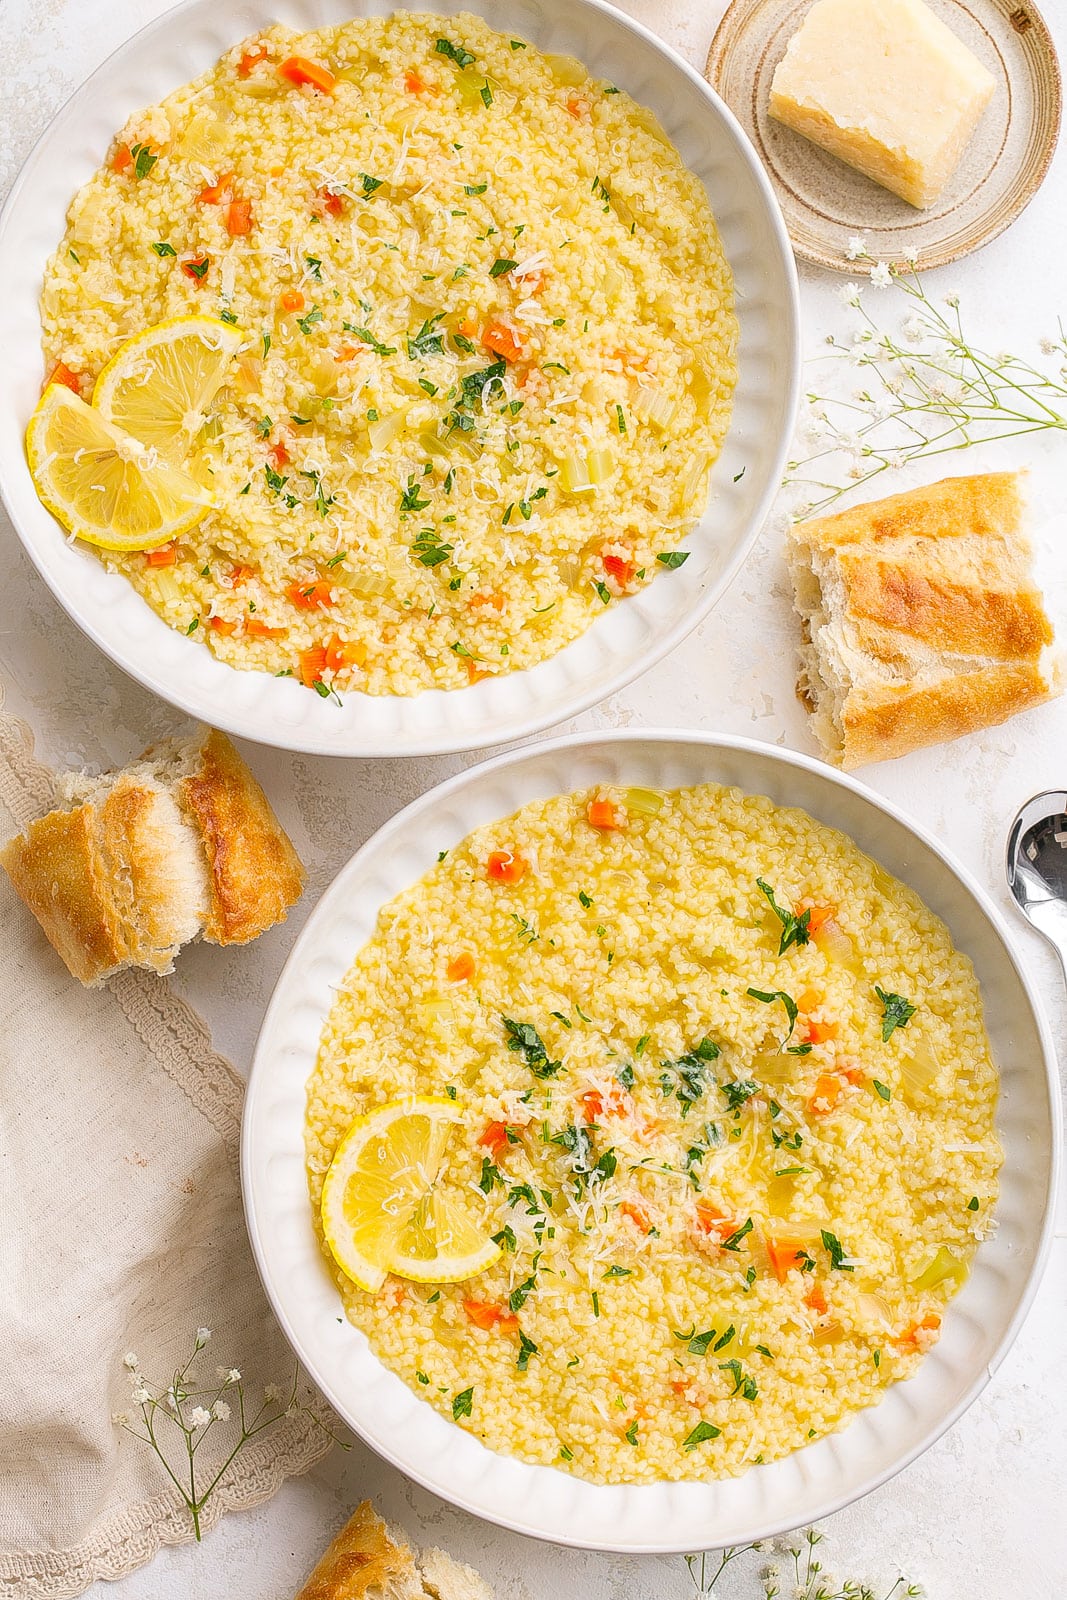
120,1230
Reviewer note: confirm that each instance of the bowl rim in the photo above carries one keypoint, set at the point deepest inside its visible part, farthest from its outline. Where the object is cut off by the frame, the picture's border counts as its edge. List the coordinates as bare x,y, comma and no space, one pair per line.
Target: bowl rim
380,840
304,736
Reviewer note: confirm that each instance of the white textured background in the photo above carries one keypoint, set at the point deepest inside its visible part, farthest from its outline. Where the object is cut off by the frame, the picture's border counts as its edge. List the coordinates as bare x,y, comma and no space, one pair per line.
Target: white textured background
983,1516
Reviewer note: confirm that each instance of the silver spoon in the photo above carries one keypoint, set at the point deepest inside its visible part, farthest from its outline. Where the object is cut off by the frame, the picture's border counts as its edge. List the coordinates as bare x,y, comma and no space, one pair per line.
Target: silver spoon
1037,866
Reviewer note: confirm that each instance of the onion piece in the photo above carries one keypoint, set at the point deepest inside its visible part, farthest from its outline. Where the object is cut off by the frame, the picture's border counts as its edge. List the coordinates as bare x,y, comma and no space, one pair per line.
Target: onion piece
939,1269
384,430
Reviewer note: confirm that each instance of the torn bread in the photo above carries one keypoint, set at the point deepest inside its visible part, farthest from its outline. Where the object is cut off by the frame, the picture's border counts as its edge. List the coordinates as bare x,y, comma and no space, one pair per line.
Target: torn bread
368,1561
920,618
136,863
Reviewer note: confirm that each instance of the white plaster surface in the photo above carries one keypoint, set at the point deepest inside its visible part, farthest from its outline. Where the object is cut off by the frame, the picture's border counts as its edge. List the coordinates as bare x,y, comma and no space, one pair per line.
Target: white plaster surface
983,1515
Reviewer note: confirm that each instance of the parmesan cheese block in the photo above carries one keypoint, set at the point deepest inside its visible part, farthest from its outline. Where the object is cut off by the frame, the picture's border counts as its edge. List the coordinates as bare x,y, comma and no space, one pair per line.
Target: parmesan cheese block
885,86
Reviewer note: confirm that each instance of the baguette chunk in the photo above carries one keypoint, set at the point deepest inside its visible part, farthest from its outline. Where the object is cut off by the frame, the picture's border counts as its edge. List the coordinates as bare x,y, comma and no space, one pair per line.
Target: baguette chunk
368,1561
920,619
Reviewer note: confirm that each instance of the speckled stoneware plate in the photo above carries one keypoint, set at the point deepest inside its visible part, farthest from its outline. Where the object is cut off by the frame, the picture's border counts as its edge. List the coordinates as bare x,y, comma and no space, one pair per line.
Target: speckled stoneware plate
980,1323
826,203
625,639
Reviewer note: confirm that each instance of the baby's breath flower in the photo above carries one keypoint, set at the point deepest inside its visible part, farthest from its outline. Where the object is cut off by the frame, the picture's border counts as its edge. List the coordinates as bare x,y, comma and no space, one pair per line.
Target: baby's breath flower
857,248
914,329
202,1337
911,255
952,301
140,1395
120,1418
228,1374
850,294
129,1361
199,1418
1049,347
882,276
220,1411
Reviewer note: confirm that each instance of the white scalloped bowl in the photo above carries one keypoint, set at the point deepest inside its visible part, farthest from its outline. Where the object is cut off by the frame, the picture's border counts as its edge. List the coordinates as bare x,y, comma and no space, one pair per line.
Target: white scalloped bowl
981,1321
620,643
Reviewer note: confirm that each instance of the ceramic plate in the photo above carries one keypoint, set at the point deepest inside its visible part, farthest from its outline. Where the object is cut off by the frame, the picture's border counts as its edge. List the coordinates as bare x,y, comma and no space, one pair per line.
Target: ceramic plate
981,1321
623,641
826,203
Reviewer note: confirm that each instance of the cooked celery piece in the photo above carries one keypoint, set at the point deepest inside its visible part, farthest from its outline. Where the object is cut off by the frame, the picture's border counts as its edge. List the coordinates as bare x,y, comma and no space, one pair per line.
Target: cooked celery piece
649,802
837,947
365,581
436,1015
204,138
939,1269
567,70
919,1071
574,474
649,402
166,585
385,429
600,464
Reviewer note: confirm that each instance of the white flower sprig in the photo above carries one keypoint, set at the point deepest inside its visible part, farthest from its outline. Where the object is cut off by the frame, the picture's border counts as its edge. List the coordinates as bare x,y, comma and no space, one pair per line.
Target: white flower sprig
806,1578
177,1419
927,390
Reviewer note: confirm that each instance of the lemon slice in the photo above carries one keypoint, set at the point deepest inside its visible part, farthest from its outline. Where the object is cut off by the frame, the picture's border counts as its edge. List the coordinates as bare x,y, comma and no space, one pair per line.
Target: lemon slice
160,384
383,1205
102,484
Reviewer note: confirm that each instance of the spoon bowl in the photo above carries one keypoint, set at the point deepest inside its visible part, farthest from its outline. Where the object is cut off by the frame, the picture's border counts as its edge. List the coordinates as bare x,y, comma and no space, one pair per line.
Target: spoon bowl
1037,866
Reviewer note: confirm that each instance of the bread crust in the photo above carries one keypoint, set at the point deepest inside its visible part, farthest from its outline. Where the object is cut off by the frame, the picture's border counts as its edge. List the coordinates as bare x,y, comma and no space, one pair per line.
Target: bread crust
56,870
362,1557
927,624
253,871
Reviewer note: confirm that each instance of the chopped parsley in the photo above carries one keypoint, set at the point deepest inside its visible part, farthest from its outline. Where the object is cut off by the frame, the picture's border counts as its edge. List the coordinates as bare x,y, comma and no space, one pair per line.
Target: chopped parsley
475,188
505,1239
734,1241
688,1076
162,248
463,1404
743,1384
491,1177
519,1295
631,1432
368,184
305,324
625,1075
882,1090
703,1430
603,591
794,929
501,265
428,341
143,160
972,1204
409,497
365,336
737,1093
454,52
768,997
896,1012
527,1348
524,1037
832,1245
619,1272
430,548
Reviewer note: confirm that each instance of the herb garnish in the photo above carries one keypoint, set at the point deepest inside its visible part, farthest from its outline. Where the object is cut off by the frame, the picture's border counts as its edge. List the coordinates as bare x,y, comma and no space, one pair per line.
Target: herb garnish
428,341
794,929
365,336
409,497
700,1434
143,160
734,1241
896,1012
524,1037
769,997
368,184
305,324
687,1077
737,1093
501,265
454,52
519,1295
832,1244
163,249
463,1404
527,1348
743,1384
430,548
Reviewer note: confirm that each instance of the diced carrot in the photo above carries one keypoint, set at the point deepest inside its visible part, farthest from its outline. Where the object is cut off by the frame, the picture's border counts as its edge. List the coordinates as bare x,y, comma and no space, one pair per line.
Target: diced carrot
816,1299
413,83
711,1222
819,1032
575,107
605,815
327,204
348,352
342,653
311,597
825,1095
782,1256
256,628
312,665
506,866
63,374
911,1337
495,1139
276,171
250,59
291,300
213,194
592,1105
239,218
494,599
461,968
637,1215
301,70
278,455
622,571
679,1385
468,327
808,999
122,159
475,673
484,1314
165,556
854,1075
221,625
817,915
239,575
499,338
195,267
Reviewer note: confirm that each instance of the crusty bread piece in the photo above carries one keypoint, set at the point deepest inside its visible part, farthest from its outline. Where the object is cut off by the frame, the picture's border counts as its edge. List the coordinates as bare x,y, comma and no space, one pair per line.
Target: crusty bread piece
921,621
136,863
368,1561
